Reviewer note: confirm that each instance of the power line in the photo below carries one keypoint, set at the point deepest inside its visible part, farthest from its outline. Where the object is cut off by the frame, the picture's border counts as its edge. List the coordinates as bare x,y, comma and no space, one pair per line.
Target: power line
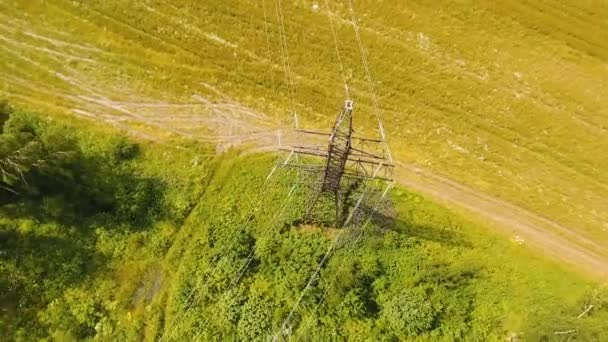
286,65
333,32
325,257
290,91
369,80
189,299
340,268
289,82
251,253
269,52
331,248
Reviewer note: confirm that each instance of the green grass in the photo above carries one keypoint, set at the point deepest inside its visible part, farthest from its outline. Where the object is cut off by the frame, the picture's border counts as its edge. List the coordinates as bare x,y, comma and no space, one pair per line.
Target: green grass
117,279
505,97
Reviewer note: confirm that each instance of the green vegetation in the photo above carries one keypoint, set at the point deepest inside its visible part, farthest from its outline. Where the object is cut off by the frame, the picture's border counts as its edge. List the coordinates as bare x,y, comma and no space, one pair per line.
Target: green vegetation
108,238
507,97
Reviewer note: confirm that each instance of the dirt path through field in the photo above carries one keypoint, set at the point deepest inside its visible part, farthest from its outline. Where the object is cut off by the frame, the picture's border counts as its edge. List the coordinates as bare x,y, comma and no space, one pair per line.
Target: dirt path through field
558,242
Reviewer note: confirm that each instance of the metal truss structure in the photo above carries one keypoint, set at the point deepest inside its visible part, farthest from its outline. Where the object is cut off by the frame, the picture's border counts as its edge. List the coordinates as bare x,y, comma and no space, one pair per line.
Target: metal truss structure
346,162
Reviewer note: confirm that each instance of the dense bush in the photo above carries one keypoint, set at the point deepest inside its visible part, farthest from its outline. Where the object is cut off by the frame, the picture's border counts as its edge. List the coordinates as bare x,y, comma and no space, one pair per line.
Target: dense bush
256,318
408,314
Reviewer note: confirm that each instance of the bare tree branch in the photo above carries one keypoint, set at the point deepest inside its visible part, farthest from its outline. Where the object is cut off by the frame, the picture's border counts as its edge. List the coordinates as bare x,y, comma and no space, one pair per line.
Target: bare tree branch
8,189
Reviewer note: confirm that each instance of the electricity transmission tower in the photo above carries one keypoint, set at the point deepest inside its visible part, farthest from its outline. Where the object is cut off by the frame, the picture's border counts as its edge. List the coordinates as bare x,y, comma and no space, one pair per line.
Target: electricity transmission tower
346,162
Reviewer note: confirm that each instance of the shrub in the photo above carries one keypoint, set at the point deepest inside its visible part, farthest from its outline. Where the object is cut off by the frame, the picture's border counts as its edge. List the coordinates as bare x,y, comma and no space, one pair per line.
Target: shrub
408,314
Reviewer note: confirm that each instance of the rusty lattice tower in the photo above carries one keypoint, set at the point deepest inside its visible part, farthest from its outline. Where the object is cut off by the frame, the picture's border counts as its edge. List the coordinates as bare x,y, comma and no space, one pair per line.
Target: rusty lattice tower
348,161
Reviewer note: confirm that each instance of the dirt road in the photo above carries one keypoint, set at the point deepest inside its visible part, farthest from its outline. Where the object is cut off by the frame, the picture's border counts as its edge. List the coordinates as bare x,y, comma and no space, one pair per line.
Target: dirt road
551,238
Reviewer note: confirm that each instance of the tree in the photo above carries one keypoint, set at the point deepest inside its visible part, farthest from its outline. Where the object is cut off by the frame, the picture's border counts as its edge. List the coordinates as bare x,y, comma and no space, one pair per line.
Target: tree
33,159
43,168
